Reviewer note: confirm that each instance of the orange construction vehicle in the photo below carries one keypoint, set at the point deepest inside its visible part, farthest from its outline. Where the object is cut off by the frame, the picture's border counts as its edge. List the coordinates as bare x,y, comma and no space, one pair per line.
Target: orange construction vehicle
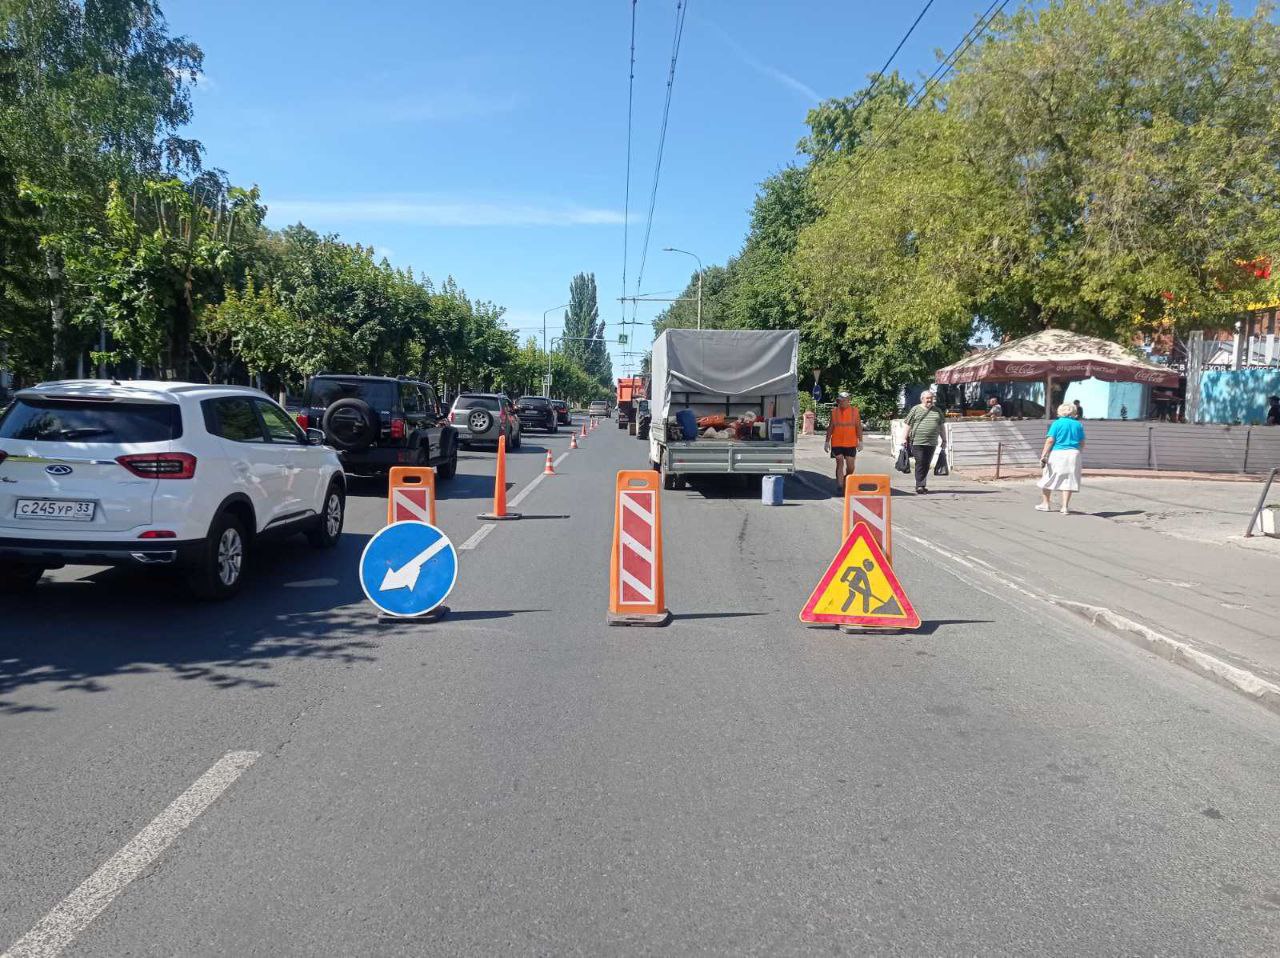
629,390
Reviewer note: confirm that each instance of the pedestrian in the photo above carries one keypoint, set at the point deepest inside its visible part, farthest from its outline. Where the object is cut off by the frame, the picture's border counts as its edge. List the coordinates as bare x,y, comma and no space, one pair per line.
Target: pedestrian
1061,459
1077,410
844,435
926,427
1273,411
994,409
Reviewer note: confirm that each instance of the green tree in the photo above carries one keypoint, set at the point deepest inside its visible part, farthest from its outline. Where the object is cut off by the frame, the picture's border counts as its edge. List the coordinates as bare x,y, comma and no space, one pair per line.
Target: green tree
95,93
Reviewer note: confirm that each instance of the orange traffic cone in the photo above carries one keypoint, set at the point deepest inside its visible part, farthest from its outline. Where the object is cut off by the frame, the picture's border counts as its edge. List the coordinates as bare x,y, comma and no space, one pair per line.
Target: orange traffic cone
584,430
550,469
573,440
500,487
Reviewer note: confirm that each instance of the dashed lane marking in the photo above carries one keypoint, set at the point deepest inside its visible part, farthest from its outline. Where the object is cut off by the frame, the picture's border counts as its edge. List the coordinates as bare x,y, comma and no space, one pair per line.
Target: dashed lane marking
56,930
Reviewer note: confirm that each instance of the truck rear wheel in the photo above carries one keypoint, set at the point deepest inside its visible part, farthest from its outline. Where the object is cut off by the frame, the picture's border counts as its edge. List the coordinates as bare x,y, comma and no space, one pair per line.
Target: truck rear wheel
671,480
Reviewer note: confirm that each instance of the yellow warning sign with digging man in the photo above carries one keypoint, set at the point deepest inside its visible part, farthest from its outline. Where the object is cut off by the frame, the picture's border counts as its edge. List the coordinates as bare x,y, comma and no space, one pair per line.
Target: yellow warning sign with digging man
859,589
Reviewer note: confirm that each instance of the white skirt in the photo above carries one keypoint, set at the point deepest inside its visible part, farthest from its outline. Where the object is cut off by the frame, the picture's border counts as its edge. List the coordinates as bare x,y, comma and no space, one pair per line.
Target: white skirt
1063,472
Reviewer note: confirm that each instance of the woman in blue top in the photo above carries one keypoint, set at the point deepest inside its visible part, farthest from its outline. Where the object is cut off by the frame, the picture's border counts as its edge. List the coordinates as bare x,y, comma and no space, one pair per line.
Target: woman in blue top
1061,458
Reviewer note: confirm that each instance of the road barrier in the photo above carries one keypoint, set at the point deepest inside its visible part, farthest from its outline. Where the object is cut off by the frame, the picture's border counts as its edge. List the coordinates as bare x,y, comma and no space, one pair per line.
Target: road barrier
550,468
868,499
636,592
500,486
411,495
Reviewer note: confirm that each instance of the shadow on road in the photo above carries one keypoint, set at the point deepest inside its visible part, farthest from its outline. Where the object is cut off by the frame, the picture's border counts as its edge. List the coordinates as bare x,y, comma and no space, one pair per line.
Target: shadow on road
74,636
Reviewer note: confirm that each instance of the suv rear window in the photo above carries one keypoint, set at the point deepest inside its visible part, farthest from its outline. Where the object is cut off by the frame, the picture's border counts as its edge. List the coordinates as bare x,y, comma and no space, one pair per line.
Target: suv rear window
77,420
477,402
378,394
534,401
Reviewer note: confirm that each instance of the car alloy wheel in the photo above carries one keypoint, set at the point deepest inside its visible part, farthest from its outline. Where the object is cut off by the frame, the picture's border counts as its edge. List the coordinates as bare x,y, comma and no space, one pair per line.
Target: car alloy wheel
333,514
230,557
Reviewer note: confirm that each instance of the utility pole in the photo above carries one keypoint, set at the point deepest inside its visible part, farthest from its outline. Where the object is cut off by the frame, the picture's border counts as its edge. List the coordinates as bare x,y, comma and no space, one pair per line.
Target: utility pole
672,249
546,384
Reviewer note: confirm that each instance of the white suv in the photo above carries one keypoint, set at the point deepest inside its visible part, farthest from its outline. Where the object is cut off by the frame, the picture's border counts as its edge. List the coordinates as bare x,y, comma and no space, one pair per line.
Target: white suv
156,473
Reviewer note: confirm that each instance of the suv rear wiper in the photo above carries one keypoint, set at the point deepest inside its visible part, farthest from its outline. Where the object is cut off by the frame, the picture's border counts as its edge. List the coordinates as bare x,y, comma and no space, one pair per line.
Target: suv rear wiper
82,432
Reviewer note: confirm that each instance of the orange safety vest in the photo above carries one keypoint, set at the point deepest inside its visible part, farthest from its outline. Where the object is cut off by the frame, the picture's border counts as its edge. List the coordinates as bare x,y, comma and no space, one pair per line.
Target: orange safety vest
846,426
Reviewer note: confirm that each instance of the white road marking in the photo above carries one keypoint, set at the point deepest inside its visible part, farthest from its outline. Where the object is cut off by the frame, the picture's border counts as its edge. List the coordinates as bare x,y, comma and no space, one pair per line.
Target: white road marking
56,930
563,457
520,496
476,538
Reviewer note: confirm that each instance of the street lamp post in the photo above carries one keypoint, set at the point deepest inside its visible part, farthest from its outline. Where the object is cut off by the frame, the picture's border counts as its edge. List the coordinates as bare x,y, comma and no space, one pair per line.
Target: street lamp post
672,249
546,384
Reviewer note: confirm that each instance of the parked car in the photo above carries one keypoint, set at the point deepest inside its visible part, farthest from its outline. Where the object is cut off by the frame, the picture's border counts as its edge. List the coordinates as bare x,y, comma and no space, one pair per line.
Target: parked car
536,412
376,422
562,412
483,417
173,475
599,408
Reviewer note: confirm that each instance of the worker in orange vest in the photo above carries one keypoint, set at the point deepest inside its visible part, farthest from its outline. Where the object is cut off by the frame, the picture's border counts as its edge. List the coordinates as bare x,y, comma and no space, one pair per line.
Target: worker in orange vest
844,435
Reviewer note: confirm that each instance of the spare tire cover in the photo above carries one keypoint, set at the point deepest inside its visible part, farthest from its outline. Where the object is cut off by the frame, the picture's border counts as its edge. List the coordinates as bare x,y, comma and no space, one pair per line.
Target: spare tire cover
479,420
351,424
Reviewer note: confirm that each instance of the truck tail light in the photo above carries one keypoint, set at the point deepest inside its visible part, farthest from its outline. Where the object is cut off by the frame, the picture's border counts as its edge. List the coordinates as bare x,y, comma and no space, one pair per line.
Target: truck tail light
160,465
397,429
304,420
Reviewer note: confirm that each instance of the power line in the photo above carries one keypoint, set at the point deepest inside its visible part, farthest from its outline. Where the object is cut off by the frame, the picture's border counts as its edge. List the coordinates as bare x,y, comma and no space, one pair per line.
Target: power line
626,203
879,75
682,7
945,67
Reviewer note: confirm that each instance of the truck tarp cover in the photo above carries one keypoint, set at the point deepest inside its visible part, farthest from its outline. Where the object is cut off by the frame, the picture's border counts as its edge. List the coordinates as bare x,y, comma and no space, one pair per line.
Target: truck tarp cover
723,362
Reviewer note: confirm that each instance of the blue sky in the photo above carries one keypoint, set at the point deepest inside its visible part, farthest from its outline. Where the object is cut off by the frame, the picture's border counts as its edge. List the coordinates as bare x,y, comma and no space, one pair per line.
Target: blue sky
487,140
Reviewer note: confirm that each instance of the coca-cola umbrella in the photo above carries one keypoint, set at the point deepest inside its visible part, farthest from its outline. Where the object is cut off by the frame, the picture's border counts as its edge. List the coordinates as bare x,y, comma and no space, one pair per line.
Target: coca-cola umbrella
1057,354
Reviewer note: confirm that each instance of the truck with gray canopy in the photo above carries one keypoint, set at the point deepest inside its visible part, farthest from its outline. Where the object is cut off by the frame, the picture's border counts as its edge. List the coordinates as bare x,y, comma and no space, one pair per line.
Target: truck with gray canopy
730,373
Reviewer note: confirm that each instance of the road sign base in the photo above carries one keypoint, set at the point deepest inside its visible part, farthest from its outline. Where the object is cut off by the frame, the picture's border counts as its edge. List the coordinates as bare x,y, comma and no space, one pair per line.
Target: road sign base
850,630
492,518
623,618
435,615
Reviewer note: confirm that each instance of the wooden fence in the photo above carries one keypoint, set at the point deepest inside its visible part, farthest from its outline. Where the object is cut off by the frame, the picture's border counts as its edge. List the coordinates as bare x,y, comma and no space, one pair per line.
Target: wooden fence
1158,446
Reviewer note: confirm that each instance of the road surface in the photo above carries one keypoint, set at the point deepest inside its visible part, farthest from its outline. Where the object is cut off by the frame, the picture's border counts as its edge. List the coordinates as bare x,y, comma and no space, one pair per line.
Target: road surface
278,775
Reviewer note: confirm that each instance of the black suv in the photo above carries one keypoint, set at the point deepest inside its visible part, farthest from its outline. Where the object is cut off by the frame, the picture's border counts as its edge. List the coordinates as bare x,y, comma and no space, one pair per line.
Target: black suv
376,422
536,412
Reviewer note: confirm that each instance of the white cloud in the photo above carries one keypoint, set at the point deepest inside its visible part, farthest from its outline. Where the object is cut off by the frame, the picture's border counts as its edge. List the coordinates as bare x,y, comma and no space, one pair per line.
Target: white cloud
422,212
765,69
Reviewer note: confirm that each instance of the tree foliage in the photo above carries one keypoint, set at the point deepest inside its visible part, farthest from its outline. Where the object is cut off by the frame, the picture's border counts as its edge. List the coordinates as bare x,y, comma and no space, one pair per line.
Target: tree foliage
1109,166
116,247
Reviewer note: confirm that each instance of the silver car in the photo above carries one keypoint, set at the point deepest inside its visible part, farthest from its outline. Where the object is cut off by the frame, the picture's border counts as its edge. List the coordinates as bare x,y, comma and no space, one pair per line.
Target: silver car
483,417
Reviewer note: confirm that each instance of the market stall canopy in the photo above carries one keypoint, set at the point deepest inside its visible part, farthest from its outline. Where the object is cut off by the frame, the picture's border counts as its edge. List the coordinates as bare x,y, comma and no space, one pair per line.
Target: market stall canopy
1057,354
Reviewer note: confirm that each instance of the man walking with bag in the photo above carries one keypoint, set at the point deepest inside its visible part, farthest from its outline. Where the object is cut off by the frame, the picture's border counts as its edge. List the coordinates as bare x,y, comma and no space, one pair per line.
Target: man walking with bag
926,428
844,435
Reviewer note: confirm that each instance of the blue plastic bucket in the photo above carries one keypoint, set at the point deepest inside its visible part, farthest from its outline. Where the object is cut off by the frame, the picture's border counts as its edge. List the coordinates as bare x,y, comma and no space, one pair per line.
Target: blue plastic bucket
771,490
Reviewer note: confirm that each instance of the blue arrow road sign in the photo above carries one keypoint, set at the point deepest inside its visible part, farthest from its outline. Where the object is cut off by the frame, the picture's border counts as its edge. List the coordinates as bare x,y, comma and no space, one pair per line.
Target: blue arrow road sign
408,568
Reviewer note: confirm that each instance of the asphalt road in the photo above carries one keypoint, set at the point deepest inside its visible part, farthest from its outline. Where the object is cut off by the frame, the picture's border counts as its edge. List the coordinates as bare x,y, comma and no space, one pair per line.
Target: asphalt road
520,778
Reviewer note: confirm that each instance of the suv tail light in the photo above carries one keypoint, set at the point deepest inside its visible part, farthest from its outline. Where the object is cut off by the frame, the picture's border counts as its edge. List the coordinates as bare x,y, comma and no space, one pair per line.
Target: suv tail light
160,465
397,429
304,420
453,416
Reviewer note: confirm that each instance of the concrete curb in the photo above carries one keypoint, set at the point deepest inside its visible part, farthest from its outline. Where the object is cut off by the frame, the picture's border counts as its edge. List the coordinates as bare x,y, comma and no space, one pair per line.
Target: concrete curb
1265,693
1174,651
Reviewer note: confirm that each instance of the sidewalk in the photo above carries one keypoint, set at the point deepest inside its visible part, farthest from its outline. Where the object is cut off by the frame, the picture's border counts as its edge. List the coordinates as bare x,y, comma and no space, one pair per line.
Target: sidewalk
1162,561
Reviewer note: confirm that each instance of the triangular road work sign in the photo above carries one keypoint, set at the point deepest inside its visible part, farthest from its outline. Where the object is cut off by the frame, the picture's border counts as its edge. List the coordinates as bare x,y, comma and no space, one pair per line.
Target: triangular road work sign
860,589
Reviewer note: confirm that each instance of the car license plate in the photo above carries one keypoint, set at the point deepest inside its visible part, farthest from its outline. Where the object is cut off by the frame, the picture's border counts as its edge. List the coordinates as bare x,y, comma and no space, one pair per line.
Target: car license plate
68,510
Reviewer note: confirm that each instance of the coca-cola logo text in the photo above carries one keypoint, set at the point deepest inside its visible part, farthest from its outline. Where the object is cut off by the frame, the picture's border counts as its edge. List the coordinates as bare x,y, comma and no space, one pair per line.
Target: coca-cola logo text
1022,369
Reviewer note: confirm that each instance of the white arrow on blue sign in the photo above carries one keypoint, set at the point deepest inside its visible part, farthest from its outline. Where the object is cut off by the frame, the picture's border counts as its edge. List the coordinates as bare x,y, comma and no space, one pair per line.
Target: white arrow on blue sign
408,568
